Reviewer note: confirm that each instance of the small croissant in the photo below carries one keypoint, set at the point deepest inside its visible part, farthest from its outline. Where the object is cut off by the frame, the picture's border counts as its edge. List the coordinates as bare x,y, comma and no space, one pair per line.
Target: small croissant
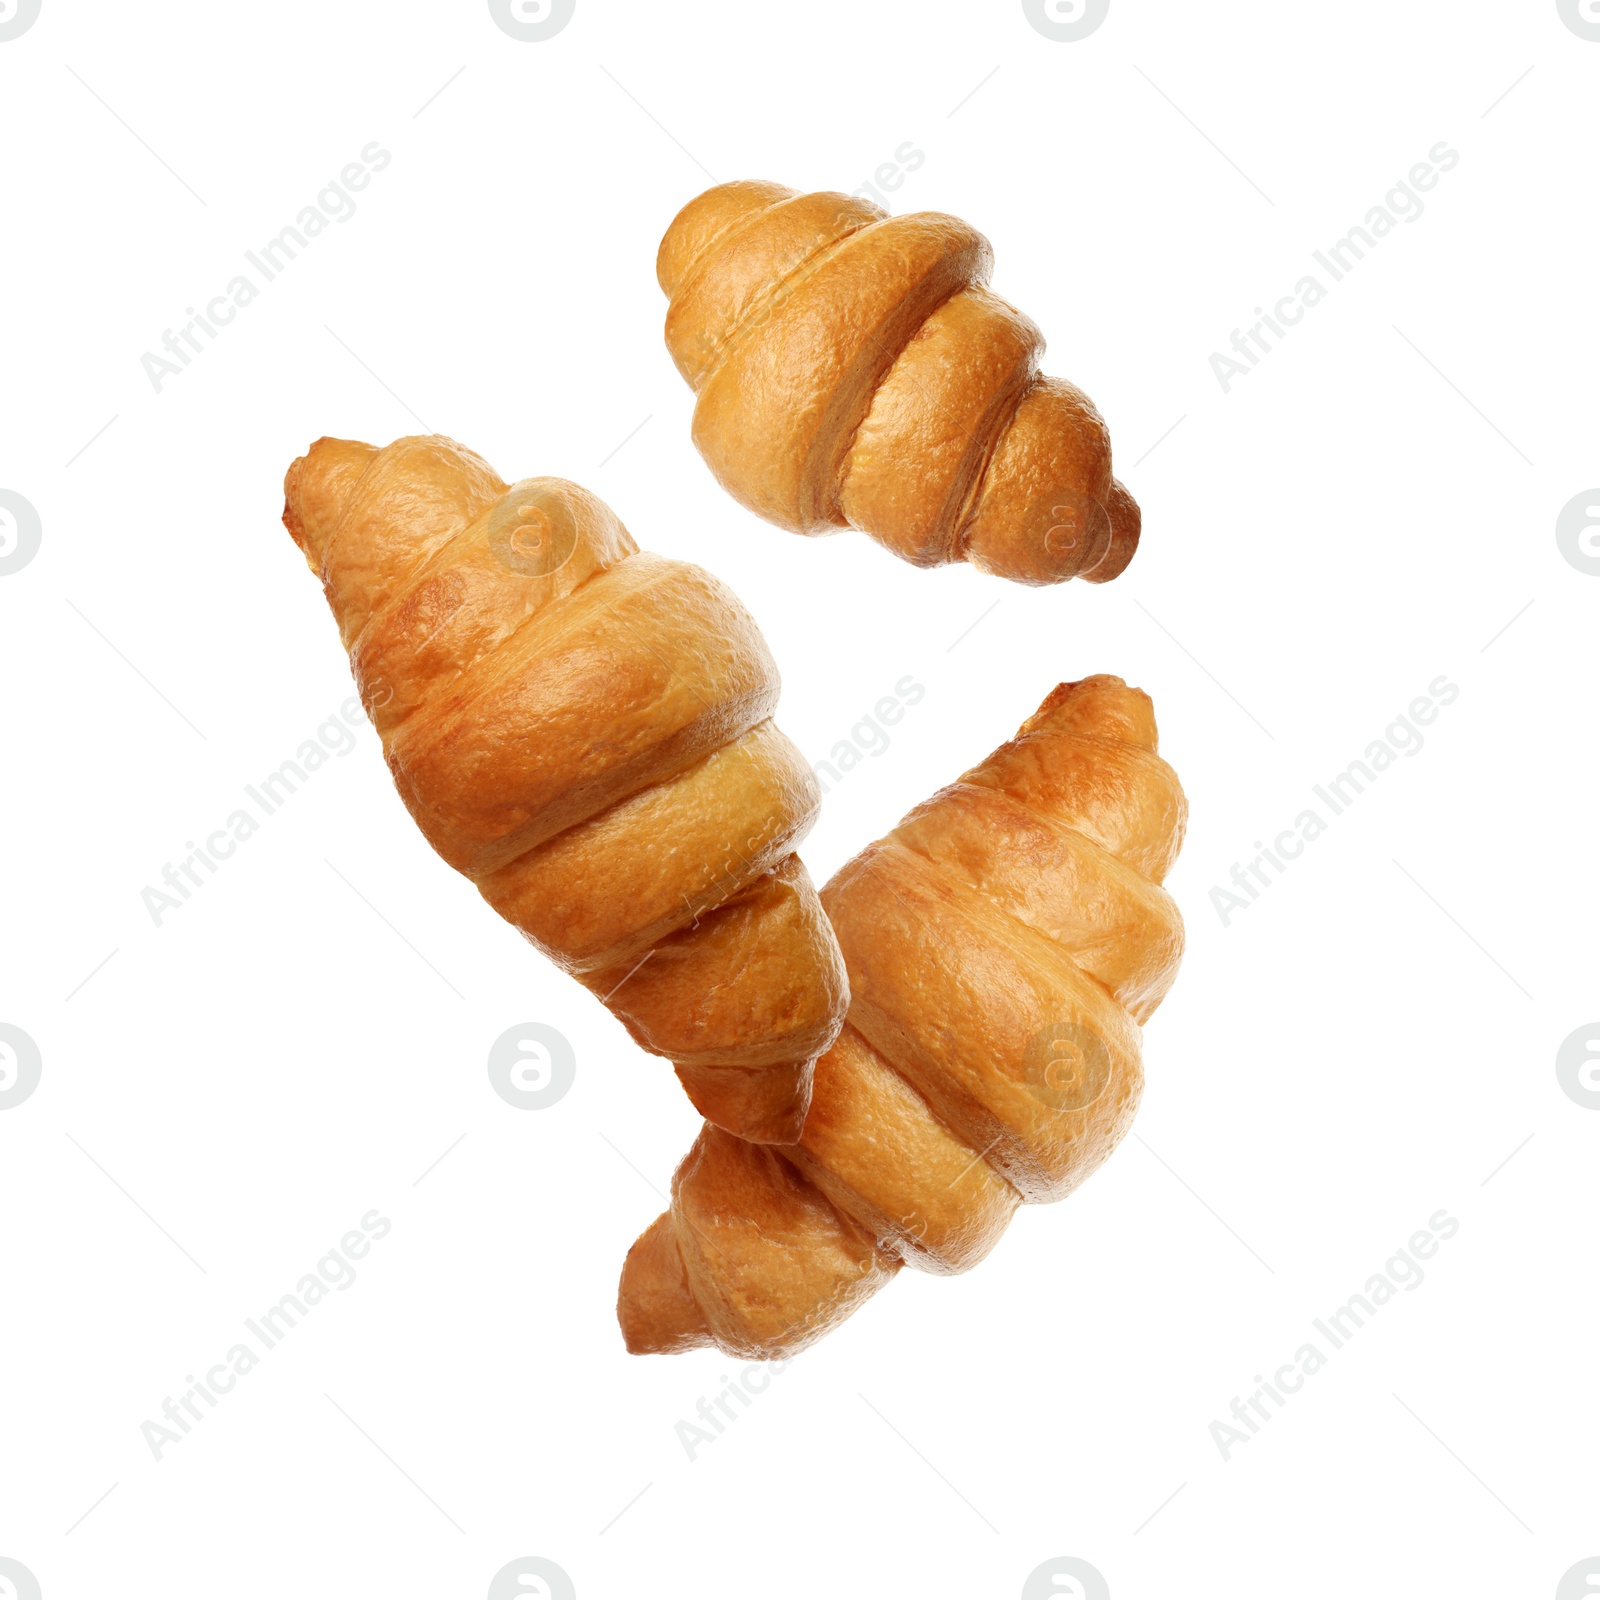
1004,944
585,730
852,369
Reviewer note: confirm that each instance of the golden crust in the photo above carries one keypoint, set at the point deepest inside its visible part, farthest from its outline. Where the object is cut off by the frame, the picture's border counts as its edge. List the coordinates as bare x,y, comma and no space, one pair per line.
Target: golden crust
967,1002
770,1262
934,1203
1002,945
852,370
916,460
584,730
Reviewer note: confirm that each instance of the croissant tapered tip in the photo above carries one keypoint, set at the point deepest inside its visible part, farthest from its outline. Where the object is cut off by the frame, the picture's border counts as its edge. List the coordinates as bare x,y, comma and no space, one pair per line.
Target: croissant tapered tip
1126,523
1100,706
656,1309
704,220
317,487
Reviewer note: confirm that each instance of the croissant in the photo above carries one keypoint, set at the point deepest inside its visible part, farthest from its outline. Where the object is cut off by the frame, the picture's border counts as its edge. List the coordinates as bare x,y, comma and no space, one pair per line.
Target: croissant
1004,943
852,369
585,730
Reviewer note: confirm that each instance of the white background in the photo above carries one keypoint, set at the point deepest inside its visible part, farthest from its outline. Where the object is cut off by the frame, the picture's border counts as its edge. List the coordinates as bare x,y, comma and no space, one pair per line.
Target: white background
1373,1040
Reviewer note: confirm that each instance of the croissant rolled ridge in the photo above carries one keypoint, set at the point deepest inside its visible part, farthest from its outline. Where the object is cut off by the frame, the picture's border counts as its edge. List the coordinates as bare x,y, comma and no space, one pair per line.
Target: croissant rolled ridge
852,369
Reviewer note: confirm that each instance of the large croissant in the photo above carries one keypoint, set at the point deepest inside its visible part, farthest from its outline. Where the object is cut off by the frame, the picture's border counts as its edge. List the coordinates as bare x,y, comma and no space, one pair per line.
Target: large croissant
852,369
1003,943
585,731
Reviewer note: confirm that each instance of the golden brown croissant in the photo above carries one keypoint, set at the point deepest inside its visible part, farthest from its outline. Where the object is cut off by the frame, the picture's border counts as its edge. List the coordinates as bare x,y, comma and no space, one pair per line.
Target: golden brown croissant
584,730
1003,943
853,370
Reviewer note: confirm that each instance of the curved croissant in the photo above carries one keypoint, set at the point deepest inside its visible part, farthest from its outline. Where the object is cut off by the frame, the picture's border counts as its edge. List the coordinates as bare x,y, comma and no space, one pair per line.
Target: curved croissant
585,731
852,369
1003,943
